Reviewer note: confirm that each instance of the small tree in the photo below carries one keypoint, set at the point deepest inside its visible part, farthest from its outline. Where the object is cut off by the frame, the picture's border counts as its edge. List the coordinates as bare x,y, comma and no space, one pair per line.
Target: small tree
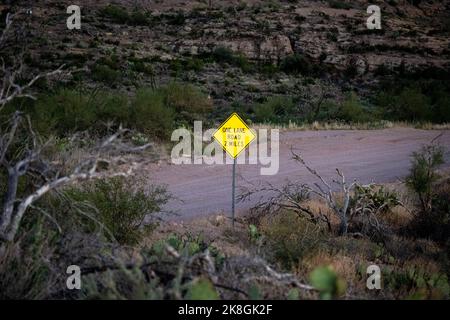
423,174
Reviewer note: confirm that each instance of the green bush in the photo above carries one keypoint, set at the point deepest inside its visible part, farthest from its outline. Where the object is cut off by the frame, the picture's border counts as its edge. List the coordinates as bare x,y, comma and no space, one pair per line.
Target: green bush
351,110
328,111
415,282
152,111
122,205
423,173
187,99
144,67
68,111
437,226
64,112
432,220
413,105
194,64
176,19
105,74
113,107
121,15
150,114
116,13
226,55
138,18
243,63
112,61
275,109
409,104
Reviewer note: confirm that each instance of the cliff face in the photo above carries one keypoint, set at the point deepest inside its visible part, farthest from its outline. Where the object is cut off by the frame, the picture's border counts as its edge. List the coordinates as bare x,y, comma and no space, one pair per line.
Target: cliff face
330,35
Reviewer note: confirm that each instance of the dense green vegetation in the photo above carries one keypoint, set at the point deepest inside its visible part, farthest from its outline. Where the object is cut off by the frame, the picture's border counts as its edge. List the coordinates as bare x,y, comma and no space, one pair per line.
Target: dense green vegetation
154,112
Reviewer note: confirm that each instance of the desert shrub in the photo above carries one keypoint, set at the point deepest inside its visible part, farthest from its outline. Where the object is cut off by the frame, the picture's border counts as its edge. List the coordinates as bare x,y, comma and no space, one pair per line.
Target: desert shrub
328,111
268,69
432,220
352,110
296,64
351,68
409,104
25,270
243,63
369,205
264,112
423,173
416,282
138,18
149,113
275,109
73,226
435,224
64,112
144,67
115,13
336,4
413,104
113,107
193,64
225,55
105,74
122,205
185,98
290,236
67,111
441,109
111,61
176,19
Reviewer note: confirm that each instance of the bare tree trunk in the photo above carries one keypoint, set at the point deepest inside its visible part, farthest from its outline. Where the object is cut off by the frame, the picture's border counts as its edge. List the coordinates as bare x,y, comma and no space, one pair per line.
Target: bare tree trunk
343,226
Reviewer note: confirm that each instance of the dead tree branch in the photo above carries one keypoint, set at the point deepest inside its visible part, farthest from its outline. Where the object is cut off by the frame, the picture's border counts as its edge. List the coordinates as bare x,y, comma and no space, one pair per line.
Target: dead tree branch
325,191
32,159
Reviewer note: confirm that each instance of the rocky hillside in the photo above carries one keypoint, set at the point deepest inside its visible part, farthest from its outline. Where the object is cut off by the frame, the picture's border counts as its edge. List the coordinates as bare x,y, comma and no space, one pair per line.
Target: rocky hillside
240,50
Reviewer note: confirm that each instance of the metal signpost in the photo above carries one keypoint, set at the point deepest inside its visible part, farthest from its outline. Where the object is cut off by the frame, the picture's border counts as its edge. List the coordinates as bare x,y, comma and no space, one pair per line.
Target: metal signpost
234,136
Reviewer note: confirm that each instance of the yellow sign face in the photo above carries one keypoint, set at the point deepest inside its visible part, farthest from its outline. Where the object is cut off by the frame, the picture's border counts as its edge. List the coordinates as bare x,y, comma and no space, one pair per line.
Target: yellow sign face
234,135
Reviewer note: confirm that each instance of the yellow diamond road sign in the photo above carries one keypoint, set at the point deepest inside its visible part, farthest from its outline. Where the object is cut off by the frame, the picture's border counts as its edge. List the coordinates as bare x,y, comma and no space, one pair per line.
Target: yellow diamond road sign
234,135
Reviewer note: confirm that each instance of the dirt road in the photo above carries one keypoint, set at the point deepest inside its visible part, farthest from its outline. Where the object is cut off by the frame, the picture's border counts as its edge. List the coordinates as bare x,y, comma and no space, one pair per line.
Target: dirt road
379,156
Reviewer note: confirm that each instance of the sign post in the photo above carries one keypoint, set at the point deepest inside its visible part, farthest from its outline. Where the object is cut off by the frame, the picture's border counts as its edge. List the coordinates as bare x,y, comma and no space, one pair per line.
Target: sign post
234,136
233,190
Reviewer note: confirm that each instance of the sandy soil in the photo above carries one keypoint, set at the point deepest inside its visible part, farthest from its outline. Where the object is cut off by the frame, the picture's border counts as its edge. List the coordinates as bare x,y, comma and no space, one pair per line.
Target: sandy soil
381,156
